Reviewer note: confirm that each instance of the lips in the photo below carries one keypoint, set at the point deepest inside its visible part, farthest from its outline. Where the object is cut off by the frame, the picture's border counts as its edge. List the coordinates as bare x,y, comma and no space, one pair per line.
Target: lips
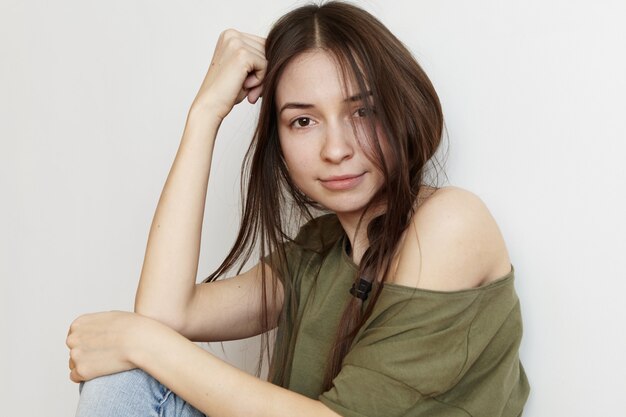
342,182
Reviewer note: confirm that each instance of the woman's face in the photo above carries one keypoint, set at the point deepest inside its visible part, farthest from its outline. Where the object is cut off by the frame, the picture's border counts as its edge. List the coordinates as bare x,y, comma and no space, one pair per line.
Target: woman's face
322,127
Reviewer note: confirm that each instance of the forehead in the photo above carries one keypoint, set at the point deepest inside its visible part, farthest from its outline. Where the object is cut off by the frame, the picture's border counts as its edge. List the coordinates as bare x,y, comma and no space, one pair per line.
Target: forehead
313,76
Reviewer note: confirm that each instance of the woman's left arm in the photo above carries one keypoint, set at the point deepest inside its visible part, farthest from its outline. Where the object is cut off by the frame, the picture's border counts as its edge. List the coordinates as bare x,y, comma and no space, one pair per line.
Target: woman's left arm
110,342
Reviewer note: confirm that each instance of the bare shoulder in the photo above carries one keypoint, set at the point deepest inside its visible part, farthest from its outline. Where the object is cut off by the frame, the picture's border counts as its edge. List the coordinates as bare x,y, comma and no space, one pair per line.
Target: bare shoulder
453,243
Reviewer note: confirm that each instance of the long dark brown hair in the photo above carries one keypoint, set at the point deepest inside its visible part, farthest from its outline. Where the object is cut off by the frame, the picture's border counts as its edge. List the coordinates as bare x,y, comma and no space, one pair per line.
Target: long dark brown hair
408,113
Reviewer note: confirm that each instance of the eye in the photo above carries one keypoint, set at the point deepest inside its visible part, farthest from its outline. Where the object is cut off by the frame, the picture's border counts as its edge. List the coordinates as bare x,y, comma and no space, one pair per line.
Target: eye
301,122
364,112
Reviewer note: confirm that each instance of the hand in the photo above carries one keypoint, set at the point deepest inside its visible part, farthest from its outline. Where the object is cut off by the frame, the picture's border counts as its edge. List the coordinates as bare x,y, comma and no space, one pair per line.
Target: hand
103,343
237,70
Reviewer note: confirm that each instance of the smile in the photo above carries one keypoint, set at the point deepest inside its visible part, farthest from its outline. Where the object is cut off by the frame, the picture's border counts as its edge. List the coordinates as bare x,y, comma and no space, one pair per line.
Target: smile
342,182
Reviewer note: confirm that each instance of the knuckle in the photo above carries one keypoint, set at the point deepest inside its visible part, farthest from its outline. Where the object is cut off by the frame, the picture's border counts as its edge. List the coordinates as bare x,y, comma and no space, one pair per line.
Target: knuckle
74,377
229,33
235,44
74,354
241,54
70,340
79,371
75,324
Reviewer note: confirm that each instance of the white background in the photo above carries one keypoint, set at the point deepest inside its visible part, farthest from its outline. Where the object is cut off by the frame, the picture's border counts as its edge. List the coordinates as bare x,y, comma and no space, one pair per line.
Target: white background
93,100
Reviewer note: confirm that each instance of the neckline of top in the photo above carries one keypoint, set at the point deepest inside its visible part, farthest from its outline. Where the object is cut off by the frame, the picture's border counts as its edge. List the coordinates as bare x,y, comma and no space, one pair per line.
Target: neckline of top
503,280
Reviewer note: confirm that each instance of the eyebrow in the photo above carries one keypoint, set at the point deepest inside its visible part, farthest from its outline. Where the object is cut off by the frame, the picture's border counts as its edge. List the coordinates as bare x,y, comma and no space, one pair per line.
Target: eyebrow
295,105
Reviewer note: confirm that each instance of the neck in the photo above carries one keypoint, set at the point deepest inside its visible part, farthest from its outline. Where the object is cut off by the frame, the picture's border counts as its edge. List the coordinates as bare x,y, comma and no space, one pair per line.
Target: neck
357,234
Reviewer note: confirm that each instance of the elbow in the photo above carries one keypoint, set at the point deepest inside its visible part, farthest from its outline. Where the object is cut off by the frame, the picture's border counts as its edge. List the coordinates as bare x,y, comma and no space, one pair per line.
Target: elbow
158,313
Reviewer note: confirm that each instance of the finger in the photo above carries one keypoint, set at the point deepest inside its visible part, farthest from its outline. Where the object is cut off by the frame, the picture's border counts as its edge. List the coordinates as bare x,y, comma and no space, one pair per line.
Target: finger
237,40
258,60
234,37
258,70
74,324
256,46
75,376
254,94
254,37
251,81
253,59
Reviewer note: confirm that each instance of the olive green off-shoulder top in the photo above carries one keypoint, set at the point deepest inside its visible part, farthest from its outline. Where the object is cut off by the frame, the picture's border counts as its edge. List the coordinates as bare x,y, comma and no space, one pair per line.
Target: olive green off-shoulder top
420,353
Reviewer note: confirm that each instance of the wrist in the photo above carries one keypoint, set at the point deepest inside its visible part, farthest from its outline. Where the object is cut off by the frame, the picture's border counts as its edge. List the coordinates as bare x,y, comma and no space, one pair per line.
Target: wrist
142,340
209,109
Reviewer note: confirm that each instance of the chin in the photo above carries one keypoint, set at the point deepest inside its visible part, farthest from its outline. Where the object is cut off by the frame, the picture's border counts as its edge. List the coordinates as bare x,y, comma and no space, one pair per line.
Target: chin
351,202
345,207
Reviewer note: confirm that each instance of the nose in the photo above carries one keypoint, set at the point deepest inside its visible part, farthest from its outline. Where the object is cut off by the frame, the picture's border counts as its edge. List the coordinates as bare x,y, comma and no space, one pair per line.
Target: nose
339,143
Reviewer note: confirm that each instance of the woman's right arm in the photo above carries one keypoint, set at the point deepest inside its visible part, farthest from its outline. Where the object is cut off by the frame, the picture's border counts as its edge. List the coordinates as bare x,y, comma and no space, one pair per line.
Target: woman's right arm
167,288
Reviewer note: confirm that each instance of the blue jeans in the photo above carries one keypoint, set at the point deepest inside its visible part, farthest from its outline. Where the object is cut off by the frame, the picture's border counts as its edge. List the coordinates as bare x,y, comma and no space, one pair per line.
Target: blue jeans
131,393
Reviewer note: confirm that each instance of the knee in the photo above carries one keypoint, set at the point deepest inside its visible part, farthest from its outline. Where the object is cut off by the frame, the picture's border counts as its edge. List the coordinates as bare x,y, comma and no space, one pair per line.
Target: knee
116,381
118,394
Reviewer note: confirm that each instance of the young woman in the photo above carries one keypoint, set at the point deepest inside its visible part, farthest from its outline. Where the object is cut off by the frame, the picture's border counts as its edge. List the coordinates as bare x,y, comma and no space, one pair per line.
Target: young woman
397,300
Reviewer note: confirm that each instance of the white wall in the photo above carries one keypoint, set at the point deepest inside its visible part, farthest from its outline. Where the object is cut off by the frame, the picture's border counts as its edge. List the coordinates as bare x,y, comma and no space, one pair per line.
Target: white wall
93,99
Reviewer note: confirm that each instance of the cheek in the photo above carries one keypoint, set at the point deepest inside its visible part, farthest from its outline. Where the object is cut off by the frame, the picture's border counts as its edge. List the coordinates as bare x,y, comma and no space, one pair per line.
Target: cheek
387,153
288,151
296,161
386,148
368,146
299,150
